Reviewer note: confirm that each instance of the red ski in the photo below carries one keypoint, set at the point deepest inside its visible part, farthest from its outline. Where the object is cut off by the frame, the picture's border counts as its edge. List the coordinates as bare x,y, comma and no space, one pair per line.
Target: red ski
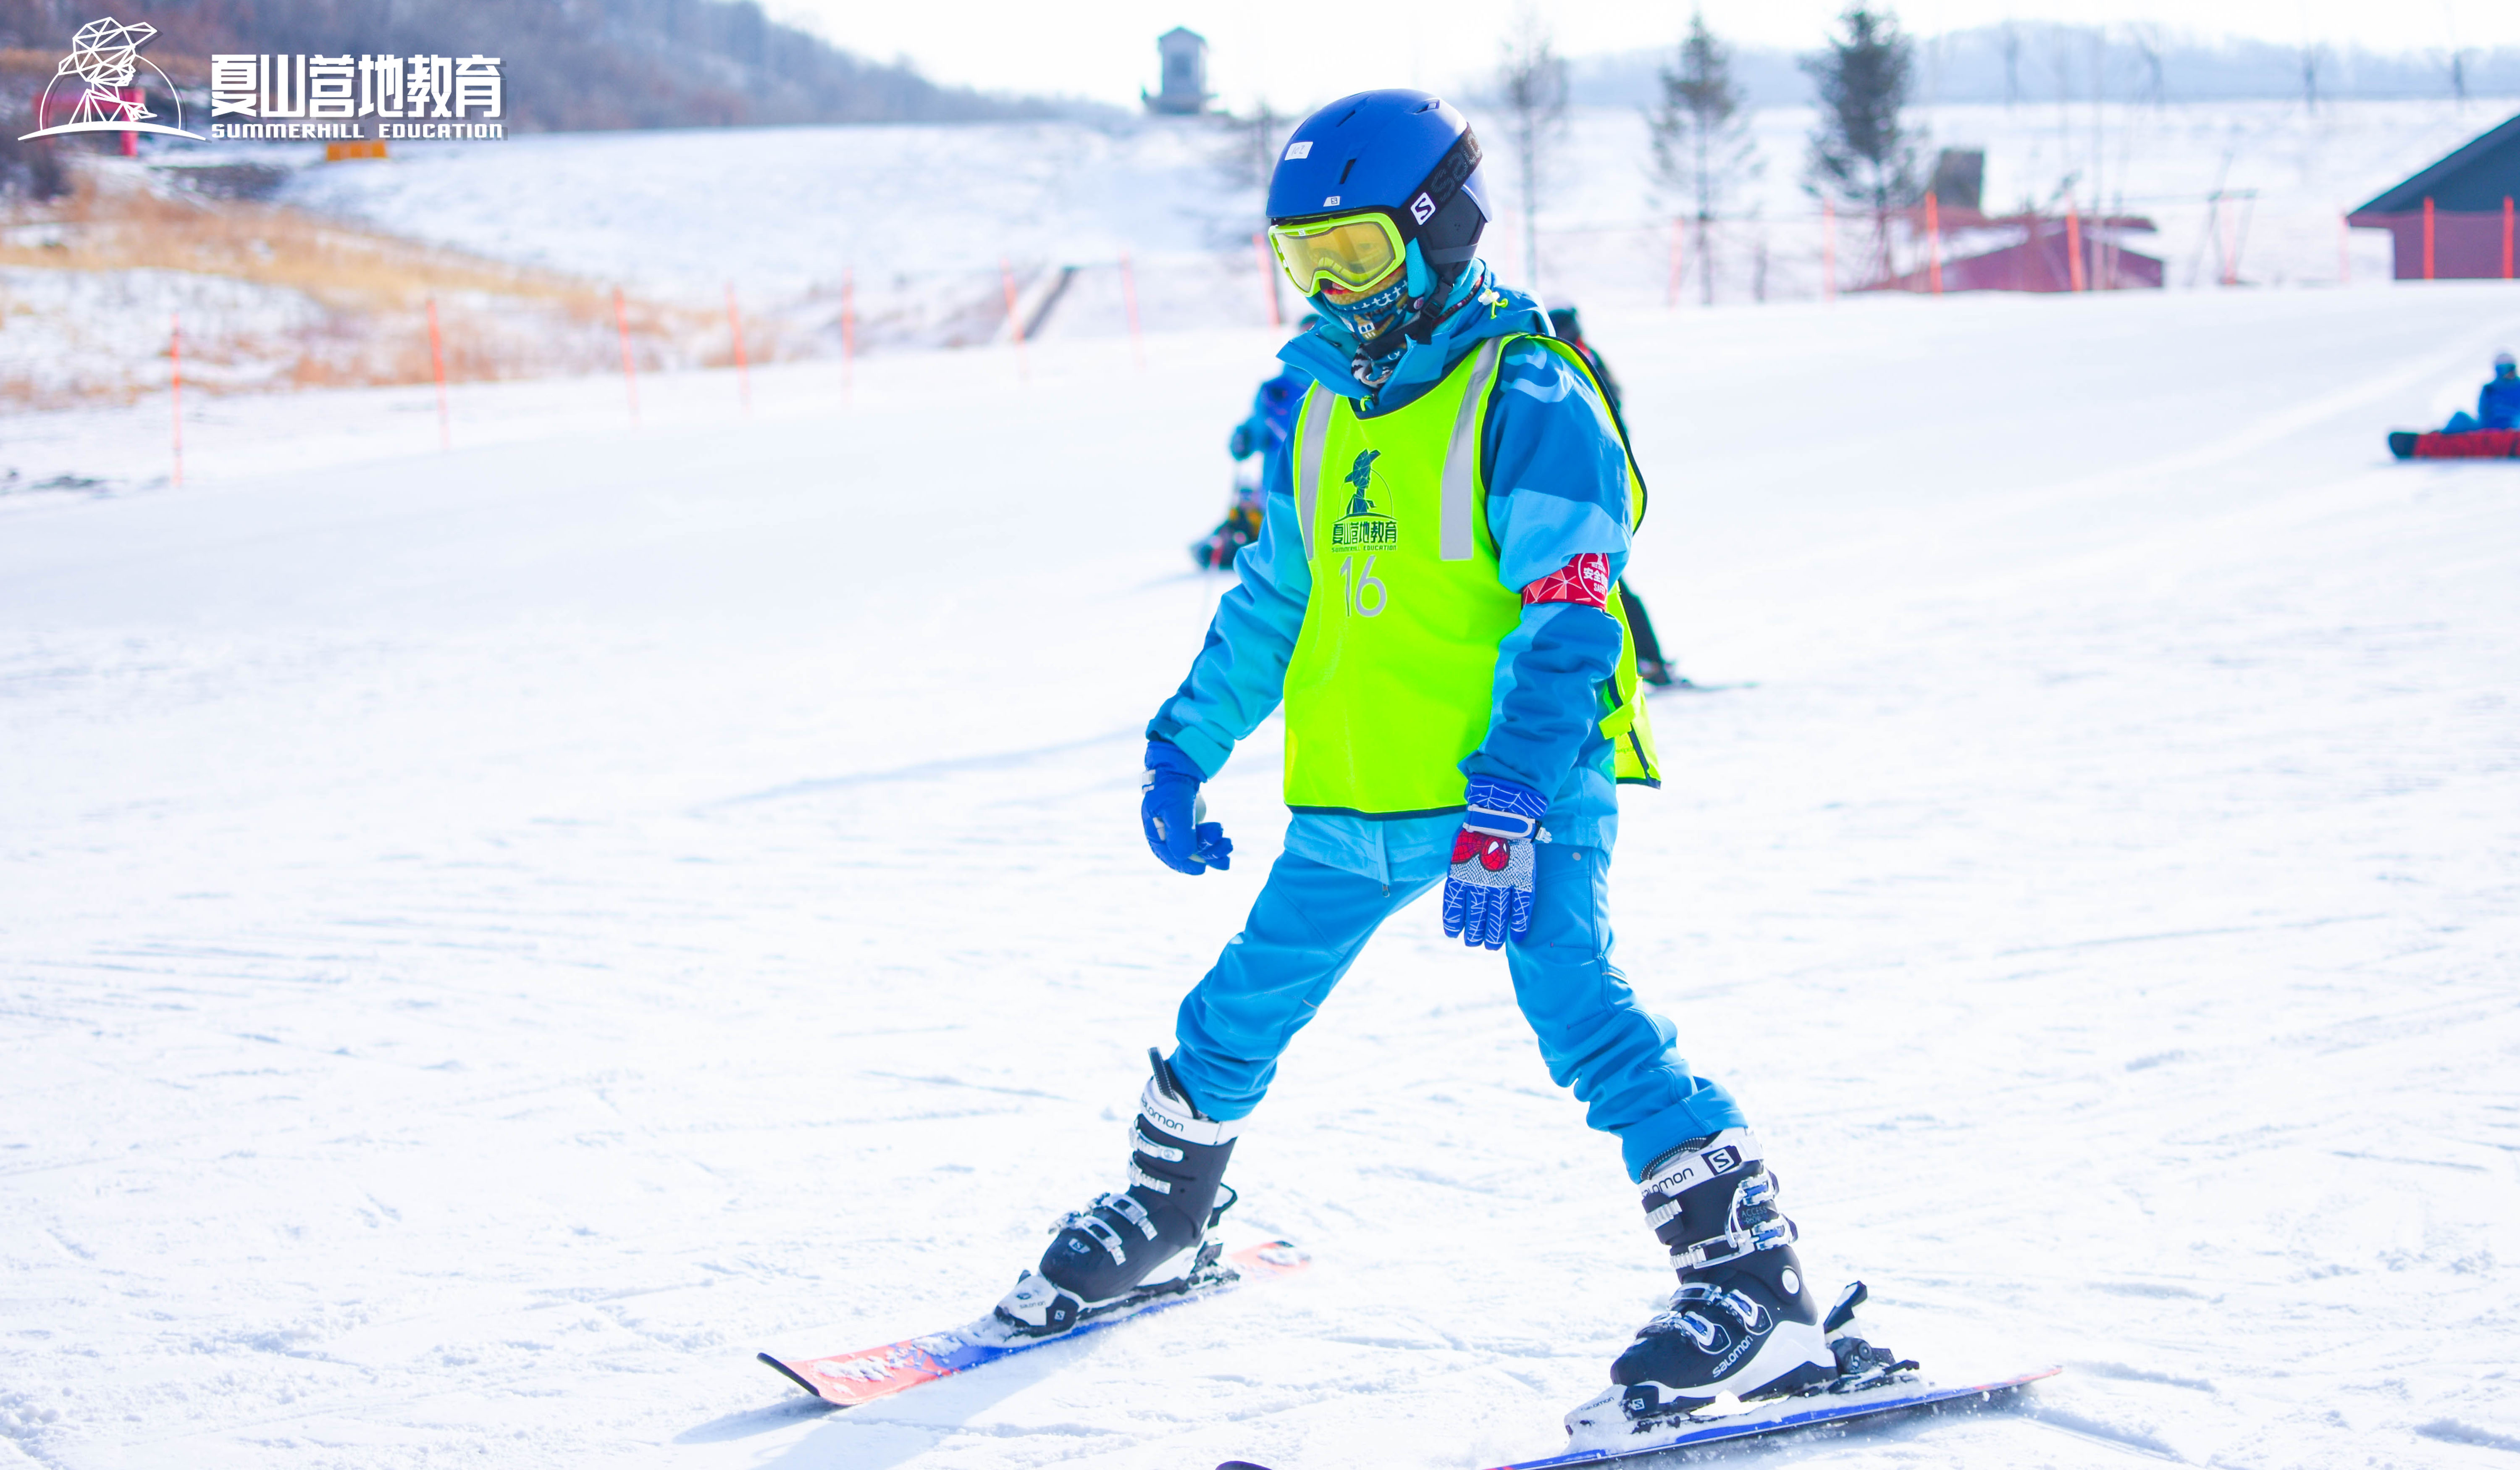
872,1373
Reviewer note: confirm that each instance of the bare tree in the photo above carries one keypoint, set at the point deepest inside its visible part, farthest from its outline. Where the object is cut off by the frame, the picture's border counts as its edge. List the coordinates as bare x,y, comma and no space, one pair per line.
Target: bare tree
1248,155
2146,39
1532,79
1702,150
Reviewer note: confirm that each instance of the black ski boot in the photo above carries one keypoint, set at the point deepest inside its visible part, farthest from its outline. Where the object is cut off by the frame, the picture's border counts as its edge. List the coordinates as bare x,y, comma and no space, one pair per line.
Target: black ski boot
1150,1241
1743,1321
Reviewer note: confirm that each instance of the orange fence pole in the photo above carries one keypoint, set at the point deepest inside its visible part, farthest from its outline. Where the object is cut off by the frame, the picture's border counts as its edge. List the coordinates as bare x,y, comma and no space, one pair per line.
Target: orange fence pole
1015,322
437,369
1260,247
2506,237
629,368
2428,237
1827,250
1129,297
848,334
1934,242
1678,234
743,368
175,353
2074,273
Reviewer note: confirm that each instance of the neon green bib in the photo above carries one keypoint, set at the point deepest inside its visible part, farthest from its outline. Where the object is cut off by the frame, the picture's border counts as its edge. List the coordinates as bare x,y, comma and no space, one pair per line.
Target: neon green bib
1393,676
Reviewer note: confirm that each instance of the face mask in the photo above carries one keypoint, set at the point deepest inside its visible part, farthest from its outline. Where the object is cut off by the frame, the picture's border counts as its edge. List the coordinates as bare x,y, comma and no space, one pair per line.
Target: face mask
1367,316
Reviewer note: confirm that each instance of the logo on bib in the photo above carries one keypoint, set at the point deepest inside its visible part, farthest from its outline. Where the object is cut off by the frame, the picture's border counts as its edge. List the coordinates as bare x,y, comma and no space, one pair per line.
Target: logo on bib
1363,527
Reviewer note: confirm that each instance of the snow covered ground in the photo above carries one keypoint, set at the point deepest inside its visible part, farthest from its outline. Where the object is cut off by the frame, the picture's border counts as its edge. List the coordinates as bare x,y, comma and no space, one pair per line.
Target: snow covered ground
488,941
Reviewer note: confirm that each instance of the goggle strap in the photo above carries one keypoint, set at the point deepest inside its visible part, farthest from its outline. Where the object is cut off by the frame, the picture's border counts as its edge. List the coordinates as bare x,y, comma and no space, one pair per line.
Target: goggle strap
1443,181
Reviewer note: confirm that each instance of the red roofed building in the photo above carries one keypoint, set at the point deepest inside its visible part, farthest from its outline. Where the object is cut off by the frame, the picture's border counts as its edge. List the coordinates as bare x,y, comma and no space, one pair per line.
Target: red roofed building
2469,220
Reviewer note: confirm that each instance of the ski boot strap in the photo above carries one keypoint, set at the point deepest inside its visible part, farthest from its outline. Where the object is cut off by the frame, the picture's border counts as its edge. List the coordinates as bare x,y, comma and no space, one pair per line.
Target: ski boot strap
1752,1225
1092,1224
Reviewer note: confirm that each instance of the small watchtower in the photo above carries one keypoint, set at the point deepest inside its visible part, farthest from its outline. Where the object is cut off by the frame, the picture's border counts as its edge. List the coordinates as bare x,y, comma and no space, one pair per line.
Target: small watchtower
1185,91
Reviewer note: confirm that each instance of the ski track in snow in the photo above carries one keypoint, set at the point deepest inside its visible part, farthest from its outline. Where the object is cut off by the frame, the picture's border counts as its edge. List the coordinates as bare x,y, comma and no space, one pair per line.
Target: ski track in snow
491,941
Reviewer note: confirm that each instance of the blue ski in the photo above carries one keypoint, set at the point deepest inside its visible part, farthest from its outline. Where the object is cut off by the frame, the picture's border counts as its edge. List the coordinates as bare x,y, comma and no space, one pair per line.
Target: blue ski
1776,1417
1783,1414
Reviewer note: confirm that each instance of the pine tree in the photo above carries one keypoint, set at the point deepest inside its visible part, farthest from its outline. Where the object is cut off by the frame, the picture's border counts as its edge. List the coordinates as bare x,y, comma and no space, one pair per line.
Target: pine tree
1862,154
1702,148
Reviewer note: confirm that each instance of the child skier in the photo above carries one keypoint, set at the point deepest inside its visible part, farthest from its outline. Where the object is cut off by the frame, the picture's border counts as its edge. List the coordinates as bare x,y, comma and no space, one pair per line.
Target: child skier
1430,597
1261,436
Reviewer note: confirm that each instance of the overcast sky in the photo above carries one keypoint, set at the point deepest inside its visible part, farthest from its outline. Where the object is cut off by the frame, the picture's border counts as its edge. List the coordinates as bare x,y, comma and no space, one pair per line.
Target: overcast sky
1295,55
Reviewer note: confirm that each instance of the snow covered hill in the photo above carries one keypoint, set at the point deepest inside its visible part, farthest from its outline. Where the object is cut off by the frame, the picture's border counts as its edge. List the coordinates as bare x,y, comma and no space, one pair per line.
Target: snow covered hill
488,941
924,216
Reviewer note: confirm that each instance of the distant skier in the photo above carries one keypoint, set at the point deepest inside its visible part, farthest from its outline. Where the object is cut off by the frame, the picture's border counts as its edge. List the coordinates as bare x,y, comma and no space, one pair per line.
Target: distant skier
1261,436
1650,665
2497,403
1429,600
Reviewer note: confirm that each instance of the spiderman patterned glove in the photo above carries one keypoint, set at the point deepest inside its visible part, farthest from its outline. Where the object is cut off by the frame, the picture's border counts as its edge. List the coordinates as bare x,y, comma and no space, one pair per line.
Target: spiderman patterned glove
1488,894
1174,813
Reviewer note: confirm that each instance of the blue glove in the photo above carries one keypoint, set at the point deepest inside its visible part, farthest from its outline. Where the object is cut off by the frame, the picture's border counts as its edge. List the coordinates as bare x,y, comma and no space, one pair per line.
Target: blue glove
1487,893
1172,810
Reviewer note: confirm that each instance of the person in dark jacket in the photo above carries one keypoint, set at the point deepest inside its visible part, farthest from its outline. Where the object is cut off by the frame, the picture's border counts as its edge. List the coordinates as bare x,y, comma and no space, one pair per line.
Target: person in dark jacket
1568,326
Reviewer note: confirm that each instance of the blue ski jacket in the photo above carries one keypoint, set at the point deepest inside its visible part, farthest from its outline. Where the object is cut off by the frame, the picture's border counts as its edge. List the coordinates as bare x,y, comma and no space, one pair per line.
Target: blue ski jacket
2497,403
1272,416
1557,488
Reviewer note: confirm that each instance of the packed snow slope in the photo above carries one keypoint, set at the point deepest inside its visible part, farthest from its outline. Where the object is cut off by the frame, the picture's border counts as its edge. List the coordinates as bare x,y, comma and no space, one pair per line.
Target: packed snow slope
494,939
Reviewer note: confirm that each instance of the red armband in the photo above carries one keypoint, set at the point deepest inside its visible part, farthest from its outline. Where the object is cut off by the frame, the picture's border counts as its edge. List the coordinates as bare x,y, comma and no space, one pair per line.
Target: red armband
1584,579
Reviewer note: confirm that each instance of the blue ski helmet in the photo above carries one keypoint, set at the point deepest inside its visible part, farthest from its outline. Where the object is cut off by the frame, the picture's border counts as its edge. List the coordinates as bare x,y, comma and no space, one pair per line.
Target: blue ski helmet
1404,152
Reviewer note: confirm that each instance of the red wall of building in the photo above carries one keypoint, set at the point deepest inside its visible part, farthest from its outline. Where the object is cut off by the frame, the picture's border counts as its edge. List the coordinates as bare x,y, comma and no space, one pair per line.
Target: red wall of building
2465,246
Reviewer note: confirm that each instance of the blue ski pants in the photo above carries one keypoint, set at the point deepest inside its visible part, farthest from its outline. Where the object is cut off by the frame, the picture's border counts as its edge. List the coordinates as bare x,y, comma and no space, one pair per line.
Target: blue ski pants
1311,921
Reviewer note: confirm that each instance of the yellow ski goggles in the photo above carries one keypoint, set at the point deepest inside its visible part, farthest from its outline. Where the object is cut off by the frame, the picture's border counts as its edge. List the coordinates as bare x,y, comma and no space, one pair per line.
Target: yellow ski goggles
1350,251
